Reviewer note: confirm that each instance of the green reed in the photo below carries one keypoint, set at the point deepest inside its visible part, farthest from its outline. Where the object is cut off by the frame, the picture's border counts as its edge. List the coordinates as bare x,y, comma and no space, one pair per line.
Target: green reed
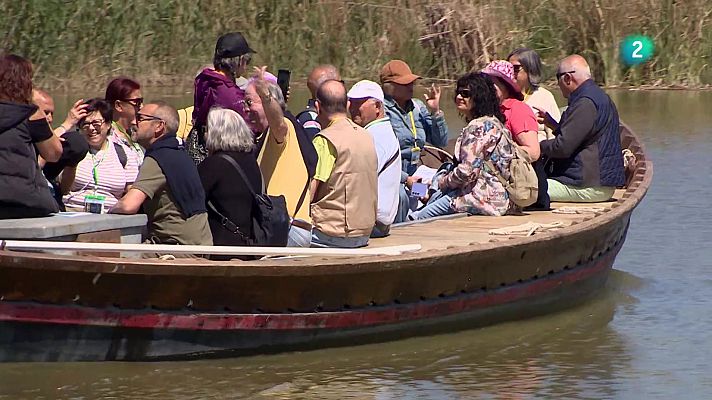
86,42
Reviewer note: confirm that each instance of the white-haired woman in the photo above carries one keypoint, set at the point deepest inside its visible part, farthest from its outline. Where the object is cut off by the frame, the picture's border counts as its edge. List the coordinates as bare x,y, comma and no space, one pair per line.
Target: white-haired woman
230,204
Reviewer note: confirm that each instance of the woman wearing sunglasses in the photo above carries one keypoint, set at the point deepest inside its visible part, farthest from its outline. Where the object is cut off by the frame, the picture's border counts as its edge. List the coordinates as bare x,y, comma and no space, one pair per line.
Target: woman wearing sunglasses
521,122
527,72
106,170
125,99
472,187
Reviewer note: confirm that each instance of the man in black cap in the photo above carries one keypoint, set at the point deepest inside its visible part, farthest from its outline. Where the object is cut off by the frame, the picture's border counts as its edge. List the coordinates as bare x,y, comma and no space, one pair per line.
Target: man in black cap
222,86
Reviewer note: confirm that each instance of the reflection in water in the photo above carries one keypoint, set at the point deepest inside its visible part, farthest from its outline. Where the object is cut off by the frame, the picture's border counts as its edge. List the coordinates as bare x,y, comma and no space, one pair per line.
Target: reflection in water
559,355
647,336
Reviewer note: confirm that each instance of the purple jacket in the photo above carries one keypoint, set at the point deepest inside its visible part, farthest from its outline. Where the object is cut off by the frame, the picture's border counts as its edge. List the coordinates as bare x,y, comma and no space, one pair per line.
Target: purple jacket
215,89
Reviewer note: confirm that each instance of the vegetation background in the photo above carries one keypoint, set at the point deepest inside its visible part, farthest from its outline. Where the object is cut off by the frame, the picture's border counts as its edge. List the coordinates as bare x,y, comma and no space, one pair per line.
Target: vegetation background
86,42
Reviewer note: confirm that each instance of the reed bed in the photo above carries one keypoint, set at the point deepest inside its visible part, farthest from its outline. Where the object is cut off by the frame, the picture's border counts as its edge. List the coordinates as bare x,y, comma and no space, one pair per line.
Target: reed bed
85,42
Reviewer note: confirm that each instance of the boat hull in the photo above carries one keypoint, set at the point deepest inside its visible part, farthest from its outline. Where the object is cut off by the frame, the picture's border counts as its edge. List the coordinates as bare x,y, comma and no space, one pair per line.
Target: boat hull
35,332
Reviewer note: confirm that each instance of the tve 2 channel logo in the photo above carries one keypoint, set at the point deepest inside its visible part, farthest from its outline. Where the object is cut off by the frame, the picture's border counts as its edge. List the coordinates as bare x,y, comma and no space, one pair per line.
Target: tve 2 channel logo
636,49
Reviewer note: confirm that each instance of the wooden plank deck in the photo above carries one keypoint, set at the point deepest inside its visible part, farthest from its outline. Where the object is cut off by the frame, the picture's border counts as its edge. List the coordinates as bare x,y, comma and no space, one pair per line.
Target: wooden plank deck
463,231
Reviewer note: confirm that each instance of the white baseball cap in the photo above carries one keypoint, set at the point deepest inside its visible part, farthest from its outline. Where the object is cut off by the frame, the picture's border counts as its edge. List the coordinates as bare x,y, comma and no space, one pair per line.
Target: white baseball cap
366,89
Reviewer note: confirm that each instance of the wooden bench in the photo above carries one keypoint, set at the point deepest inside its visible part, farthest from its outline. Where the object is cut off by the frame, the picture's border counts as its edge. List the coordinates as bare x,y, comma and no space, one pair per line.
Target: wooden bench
76,227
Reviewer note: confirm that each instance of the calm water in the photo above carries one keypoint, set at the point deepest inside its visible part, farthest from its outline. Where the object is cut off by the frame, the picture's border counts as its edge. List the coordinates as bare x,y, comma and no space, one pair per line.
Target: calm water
647,335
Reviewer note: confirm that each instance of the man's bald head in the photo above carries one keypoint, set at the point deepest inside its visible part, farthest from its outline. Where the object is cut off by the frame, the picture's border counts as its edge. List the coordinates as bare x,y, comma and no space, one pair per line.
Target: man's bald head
331,98
321,74
577,64
44,101
571,73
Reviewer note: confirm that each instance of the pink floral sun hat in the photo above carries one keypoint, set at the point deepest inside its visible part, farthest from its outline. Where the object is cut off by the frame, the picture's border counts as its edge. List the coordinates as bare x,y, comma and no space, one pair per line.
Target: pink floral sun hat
504,70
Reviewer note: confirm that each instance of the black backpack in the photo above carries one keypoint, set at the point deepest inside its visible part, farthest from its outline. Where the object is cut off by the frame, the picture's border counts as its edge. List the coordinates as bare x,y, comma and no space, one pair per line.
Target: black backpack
270,220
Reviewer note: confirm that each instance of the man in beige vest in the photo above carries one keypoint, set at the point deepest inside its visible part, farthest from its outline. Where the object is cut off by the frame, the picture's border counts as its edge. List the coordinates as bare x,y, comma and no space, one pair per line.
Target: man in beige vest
345,184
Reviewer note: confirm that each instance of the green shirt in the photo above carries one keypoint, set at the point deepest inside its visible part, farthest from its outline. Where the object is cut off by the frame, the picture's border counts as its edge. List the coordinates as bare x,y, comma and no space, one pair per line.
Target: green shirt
165,221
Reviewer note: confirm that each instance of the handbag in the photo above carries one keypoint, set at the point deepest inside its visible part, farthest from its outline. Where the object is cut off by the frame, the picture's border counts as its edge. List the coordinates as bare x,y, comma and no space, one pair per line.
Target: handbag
270,220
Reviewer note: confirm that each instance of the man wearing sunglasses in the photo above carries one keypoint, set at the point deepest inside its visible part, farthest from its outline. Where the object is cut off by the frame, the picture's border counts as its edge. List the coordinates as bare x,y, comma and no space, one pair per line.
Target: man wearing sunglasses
585,154
168,187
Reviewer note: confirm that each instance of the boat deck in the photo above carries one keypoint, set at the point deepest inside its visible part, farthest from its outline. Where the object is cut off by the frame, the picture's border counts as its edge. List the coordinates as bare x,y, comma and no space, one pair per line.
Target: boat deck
461,230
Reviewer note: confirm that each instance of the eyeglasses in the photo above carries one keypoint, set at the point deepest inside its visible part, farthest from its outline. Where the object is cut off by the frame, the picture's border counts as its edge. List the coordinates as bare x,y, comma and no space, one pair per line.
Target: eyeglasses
95,124
517,68
247,102
137,102
146,117
464,93
560,74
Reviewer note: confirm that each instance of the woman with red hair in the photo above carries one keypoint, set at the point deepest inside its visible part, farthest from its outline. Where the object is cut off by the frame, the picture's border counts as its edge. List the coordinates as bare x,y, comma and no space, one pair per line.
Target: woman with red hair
124,97
24,192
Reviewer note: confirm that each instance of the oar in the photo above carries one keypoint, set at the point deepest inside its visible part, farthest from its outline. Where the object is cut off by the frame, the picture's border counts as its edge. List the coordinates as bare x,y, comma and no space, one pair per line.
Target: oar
37,245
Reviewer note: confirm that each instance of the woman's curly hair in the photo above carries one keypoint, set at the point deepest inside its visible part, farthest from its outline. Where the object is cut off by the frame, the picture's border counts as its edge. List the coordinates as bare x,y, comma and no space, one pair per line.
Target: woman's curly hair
483,95
15,79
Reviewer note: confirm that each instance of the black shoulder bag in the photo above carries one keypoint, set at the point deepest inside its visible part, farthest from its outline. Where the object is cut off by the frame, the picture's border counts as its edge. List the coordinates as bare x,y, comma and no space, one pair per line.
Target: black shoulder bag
270,220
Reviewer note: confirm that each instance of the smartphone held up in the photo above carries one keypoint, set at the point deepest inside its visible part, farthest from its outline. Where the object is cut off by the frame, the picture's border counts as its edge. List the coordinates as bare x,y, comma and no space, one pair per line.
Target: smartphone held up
283,76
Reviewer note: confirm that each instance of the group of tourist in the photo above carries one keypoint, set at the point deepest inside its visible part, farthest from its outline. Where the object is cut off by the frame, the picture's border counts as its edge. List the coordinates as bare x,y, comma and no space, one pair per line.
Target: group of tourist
348,166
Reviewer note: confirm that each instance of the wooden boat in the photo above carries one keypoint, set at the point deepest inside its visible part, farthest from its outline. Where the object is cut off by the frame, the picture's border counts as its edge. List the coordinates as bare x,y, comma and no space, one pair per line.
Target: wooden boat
86,307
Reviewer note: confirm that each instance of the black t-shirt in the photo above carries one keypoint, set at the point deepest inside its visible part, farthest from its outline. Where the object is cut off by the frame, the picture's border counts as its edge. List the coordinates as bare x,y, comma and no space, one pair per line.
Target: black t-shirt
226,190
39,130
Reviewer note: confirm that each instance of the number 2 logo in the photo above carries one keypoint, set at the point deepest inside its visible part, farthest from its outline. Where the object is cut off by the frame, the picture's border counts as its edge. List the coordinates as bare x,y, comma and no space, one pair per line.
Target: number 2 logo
638,48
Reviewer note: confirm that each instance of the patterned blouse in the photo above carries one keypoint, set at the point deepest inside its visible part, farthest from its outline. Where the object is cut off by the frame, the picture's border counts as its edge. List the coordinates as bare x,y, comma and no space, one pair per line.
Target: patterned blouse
119,136
478,189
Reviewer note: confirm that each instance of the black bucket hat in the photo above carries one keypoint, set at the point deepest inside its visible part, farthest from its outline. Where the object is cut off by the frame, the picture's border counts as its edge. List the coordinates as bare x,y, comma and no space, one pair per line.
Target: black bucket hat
232,44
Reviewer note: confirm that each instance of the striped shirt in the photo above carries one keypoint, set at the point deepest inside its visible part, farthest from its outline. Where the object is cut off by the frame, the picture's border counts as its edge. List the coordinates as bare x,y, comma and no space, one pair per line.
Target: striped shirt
111,176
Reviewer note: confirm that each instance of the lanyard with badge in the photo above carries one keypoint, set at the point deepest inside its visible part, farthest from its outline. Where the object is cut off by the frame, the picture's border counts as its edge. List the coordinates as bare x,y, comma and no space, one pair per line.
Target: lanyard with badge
415,151
94,203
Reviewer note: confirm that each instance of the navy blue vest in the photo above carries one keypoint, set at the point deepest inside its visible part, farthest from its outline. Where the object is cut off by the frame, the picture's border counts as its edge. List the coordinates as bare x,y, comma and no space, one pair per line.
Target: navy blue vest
181,174
606,133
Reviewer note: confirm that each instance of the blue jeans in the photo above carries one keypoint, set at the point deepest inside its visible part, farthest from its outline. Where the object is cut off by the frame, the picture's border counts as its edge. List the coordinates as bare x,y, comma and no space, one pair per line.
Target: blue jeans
321,239
439,204
405,204
298,237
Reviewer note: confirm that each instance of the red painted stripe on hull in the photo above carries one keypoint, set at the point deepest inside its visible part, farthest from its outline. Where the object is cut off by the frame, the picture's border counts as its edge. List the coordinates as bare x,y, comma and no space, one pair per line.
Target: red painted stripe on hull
74,315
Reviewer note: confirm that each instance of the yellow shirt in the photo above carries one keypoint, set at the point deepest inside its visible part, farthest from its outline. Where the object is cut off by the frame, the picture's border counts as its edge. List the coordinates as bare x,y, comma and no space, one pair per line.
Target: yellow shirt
327,158
284,171
185,115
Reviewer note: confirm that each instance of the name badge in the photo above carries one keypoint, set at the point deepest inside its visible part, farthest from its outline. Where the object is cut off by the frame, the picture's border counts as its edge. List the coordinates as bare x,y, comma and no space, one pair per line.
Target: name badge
94,203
